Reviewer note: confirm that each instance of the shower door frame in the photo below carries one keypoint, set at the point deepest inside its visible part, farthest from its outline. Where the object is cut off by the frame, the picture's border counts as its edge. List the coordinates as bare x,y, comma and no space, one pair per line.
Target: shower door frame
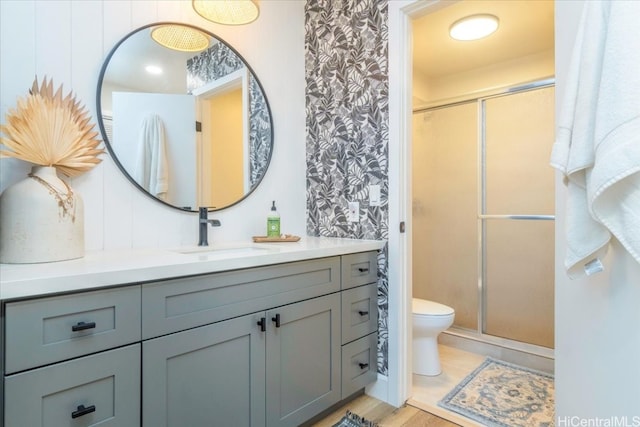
479,99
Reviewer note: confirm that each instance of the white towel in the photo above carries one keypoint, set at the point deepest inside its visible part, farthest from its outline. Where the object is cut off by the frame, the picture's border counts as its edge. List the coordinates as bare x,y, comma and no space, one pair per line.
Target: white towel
597,145
152,171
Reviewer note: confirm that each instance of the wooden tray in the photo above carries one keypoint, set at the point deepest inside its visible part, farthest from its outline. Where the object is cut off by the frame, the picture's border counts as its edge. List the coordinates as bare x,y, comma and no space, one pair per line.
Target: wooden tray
283,238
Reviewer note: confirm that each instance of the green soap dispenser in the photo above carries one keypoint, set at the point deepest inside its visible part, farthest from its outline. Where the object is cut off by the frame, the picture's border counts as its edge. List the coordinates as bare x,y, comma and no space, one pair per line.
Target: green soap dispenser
273,222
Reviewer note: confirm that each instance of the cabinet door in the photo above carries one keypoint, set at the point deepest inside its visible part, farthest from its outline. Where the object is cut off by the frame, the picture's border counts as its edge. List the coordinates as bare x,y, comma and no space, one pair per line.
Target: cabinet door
208,376
303,360
102,389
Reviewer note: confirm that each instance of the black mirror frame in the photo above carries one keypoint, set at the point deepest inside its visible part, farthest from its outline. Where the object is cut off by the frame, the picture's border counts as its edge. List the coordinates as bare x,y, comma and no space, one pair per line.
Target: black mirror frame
112,153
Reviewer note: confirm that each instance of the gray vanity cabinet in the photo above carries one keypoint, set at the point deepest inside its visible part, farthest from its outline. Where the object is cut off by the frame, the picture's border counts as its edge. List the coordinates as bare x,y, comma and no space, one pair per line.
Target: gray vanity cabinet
227,373
213,375
303,360
269,346
208,359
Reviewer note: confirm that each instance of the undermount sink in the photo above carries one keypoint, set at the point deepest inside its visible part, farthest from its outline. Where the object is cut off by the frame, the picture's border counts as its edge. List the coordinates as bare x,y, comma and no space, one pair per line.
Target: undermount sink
211,251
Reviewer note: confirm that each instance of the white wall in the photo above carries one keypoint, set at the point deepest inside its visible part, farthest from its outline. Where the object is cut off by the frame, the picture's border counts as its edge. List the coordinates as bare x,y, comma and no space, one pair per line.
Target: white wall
597,318
68,40
479,81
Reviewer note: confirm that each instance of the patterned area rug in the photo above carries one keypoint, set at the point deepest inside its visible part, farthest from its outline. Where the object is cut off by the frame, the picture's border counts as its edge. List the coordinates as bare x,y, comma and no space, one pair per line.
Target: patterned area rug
501,394
354,420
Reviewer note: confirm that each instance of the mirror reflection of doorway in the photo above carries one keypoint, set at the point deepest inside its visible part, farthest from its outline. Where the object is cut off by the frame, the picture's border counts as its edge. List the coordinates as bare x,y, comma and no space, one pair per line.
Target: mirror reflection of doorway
223,162
222,145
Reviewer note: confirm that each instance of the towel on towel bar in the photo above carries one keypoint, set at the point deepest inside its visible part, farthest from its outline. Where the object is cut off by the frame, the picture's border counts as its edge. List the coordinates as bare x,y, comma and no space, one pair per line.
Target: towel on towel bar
597,144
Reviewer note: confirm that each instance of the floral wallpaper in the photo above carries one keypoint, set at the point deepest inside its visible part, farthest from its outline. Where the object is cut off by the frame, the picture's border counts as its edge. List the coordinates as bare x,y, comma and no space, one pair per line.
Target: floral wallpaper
211,64
346,53
218,61
260,136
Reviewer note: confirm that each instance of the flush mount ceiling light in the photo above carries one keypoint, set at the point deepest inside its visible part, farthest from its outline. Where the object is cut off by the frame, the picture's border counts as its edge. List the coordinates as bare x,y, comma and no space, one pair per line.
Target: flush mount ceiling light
474,27
228,12
180,37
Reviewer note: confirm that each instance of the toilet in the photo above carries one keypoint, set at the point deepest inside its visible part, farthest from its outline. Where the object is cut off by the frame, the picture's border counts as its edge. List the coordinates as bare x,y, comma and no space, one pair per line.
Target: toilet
429,319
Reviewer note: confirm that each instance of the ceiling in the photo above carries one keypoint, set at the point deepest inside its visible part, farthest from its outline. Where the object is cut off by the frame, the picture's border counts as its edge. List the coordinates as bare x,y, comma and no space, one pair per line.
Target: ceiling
526,27
127,65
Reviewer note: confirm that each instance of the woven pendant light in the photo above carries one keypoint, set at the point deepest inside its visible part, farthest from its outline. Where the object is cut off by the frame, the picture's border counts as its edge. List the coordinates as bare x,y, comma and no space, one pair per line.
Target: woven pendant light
227,12
180,37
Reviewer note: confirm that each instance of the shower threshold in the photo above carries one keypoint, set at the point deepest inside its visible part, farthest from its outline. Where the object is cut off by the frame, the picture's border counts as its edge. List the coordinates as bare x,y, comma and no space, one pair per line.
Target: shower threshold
524,354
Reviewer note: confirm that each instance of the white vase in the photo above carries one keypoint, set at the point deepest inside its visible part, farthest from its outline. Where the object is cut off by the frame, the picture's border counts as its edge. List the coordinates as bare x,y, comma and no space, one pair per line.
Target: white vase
41,220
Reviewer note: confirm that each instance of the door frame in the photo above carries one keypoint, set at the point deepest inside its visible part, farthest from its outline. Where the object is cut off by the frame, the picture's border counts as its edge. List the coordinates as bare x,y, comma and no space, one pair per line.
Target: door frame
401,13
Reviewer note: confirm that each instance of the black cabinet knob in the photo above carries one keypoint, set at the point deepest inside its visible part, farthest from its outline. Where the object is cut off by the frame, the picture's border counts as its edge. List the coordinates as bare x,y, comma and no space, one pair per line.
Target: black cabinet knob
82,410
276,320
363,313
82,326
363,365
263,324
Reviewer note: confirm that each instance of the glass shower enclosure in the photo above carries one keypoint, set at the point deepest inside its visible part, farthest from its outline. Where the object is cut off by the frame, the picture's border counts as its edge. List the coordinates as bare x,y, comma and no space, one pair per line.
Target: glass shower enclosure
483,205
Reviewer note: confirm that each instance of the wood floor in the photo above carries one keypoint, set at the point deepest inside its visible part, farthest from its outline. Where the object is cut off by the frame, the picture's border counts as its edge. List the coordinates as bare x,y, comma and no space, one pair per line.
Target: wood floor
385,415
422,408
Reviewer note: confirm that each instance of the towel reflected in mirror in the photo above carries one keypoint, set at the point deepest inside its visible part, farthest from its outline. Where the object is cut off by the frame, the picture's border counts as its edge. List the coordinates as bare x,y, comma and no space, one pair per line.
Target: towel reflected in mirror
152,170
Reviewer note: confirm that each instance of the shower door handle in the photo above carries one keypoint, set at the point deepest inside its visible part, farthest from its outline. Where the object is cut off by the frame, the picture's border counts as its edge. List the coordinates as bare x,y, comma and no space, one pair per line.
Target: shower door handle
519,217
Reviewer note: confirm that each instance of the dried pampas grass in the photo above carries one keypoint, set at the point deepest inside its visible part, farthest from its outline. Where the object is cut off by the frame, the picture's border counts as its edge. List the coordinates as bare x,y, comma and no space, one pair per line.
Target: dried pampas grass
49,130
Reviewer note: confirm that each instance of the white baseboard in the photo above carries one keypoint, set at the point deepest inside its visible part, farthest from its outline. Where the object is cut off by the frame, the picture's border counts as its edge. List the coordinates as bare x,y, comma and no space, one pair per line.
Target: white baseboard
379,389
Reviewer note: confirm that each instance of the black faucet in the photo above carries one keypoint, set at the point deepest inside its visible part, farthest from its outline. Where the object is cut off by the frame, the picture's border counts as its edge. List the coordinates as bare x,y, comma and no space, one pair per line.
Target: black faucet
202,226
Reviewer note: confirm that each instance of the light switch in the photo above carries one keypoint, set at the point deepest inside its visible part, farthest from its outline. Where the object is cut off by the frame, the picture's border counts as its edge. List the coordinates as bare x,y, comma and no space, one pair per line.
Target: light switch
353,212
374,195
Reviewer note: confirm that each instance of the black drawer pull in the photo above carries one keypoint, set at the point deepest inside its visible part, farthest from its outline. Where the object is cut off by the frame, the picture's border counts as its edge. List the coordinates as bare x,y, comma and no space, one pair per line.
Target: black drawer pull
83,411
81,326
263,324
363,365
277,320
363,270
363,313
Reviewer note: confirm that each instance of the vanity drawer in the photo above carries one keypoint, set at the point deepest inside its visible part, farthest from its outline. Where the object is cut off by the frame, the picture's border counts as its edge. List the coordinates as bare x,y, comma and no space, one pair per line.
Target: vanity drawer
359,312
180,304
359,364
359,269
107,385
49,330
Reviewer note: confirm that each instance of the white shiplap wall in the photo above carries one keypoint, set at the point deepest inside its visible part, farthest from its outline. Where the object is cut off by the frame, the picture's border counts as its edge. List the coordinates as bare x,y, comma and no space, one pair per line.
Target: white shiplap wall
68,40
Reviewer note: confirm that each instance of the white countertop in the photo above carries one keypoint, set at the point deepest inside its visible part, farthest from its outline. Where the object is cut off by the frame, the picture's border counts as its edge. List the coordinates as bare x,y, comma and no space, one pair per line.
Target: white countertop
123,266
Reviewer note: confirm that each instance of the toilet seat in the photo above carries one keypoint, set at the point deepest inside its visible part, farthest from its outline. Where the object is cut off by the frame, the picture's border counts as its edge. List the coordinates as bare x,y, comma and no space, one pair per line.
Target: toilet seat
423,307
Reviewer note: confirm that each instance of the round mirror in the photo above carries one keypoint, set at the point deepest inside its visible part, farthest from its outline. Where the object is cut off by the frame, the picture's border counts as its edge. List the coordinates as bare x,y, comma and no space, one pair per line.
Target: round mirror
187,124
